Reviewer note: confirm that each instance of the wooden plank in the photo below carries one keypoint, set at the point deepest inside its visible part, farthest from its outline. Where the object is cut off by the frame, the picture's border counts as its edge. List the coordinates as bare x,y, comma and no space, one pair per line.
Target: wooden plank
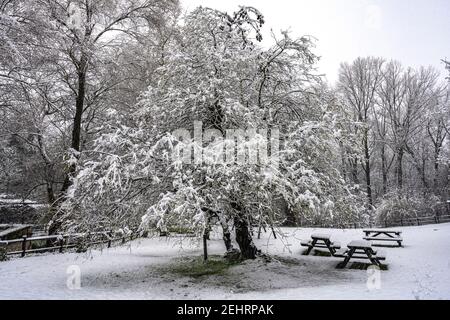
359,244
382,239
321,236
382,231
365,257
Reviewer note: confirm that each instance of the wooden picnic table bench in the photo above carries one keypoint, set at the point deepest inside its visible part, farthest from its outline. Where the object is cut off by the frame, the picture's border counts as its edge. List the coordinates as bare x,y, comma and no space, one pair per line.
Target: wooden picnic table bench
381,231
383,235
321,241
361,249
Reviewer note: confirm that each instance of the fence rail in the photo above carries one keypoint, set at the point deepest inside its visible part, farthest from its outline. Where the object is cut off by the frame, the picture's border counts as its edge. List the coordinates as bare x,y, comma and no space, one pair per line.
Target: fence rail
417,221
61,242
402,222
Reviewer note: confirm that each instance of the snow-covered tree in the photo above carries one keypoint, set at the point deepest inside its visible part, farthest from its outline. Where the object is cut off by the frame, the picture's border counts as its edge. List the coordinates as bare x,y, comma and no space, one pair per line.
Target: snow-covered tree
218,75
358,83
406,95
65,66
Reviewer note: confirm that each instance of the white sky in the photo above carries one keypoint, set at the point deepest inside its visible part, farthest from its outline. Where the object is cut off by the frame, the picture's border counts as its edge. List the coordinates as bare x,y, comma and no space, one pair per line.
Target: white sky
416,32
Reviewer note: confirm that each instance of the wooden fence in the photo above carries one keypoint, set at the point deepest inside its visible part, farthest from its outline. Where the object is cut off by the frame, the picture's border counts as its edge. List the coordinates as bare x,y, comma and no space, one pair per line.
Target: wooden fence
61,242
417,221
402,222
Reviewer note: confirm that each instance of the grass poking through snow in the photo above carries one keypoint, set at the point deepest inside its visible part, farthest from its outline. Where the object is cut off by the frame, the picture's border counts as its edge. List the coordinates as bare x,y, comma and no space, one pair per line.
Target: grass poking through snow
196,267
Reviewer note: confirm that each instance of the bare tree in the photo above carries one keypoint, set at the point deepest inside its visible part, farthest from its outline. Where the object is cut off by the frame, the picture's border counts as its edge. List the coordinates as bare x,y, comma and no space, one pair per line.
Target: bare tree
437,129
358,84
406,95
67,61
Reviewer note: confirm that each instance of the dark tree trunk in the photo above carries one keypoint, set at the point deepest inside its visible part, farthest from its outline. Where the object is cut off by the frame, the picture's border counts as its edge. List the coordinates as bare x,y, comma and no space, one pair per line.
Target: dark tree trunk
243,235
384,168
76,131
367,171
244,238
436,168
400,167
75,145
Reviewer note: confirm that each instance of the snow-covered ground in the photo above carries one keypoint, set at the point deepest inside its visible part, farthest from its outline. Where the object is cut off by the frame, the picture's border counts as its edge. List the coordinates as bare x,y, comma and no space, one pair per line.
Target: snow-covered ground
145,268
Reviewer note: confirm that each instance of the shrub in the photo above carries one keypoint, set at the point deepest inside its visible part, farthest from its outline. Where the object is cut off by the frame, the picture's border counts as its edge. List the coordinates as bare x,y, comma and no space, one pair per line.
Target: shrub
402,205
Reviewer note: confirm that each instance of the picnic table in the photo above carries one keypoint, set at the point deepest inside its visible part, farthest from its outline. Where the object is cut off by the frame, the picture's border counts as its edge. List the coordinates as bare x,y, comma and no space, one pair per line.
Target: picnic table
361,249
383,235
321,241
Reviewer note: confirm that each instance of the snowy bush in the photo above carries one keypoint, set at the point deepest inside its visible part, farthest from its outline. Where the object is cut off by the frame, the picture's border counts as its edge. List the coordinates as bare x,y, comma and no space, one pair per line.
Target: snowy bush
396,206
312,157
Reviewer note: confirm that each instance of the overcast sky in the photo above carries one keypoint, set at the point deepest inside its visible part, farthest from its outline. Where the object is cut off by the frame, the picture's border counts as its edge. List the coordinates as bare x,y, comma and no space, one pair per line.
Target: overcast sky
416,32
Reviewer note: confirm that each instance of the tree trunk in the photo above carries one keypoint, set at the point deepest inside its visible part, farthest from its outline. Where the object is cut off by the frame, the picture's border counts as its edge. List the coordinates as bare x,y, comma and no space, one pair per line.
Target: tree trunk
76,131
367,170
400,167
75,145
436,168
384,168
244,238
226,234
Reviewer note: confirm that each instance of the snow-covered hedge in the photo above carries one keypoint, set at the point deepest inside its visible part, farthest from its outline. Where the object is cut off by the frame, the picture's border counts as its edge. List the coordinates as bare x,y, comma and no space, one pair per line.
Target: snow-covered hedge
396,206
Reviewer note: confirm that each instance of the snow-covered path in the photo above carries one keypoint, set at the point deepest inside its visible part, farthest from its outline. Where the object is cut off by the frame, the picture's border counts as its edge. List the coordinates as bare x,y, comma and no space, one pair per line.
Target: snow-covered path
420,270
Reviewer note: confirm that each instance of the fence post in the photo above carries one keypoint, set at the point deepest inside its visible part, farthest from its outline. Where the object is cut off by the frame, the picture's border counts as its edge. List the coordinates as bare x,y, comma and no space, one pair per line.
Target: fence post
385,223
418,221
61,244
205,247
401,221
123,239
24,245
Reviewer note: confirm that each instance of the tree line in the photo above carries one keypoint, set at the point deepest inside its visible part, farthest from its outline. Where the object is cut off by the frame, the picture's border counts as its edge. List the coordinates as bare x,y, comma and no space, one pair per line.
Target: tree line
403,114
